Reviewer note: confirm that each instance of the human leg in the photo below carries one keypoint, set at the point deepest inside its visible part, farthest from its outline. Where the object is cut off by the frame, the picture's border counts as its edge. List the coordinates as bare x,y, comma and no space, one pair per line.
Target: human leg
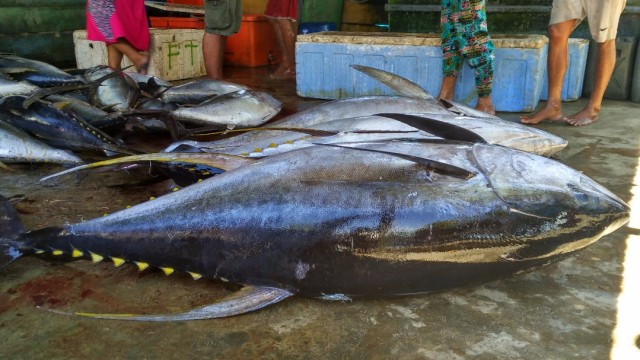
478,50
557,61
285,33
213,54
451,56
114,57
605,64
604,17
221,19
123,47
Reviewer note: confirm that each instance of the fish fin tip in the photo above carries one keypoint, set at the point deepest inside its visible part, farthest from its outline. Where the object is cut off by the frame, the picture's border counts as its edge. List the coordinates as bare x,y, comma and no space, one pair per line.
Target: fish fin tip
247,299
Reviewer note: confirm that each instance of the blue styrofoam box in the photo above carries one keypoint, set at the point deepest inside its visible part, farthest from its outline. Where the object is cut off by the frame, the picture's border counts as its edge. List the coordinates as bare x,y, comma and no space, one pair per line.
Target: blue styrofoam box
574,77
313,27
323,66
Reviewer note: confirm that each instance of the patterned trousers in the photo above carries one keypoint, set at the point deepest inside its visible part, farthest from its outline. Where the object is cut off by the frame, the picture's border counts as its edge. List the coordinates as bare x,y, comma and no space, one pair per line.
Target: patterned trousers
465,36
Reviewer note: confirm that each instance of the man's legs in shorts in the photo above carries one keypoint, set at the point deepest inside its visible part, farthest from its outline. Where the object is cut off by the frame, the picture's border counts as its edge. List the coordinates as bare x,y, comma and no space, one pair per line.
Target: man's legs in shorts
557,62
221,19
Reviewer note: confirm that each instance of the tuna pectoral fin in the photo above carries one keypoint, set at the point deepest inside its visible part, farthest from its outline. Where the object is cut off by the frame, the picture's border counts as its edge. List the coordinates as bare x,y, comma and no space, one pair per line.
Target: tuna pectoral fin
5,167
243,301
438,128
222,162
461,109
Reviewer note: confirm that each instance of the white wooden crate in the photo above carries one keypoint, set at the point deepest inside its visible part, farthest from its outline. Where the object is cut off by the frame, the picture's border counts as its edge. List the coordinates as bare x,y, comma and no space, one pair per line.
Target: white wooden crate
175,53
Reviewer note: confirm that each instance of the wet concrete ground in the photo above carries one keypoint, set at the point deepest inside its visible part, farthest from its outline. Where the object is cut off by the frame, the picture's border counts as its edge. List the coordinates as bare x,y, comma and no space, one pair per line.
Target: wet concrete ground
567,310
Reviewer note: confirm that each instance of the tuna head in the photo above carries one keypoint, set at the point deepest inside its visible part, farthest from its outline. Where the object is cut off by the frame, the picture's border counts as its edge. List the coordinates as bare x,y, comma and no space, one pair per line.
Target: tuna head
571,209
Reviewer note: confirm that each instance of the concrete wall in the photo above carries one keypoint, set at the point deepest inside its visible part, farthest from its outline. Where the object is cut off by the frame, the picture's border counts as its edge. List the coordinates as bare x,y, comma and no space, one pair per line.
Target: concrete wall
41,29
504,16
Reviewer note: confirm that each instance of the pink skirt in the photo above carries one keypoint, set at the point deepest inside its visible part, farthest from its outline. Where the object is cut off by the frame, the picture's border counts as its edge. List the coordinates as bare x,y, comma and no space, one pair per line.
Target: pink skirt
110,20
282,9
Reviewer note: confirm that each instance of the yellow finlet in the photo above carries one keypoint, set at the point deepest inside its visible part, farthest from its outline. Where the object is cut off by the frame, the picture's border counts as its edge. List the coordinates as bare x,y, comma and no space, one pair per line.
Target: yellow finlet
76,253
273,145
176,189
152,198
118,261
195,276
96,258
141,265
39,252
167,270
56,252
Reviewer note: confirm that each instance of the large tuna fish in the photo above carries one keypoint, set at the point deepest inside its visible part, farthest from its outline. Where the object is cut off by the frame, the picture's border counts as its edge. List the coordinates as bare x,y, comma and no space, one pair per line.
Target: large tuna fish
339,223
195,92
56,127
18,146
332,110
36,72
242,108
390,126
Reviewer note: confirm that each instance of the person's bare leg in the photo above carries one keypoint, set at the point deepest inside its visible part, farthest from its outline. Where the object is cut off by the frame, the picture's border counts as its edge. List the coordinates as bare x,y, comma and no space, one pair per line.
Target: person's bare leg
114,57
485,104
605,64
140,61
557,62
286,36
213,53
446,90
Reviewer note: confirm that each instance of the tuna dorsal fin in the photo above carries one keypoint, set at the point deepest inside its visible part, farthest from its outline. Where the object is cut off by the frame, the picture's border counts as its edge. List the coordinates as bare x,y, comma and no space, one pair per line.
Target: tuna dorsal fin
438,128
247,299
219,161
437,166
396,82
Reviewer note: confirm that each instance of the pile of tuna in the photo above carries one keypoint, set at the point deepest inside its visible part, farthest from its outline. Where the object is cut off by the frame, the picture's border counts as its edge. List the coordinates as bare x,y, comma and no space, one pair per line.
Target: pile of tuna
366,197
45,112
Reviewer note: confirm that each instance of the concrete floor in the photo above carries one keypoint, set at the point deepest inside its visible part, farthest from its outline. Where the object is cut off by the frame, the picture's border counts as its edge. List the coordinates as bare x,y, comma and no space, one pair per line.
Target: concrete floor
573,309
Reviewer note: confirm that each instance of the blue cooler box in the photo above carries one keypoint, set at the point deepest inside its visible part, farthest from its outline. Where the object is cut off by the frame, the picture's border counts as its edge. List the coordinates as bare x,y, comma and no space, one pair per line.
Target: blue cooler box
323,66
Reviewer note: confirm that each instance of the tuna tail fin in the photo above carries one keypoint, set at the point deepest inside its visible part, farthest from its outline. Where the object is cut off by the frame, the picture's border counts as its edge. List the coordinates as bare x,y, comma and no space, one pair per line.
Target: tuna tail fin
10,229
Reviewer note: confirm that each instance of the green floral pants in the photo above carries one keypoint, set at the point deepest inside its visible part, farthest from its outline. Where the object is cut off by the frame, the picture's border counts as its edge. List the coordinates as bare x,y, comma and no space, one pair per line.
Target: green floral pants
465,36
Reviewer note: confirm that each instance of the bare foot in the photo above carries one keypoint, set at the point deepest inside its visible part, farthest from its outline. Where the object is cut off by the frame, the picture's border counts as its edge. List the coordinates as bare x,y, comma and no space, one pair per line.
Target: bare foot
485,105
284,73
582,118
143,65
550,112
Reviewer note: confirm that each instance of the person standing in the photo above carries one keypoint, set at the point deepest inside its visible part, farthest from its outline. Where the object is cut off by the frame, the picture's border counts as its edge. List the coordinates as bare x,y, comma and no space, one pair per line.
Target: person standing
283,14
566,15
123,26
465,36
221,19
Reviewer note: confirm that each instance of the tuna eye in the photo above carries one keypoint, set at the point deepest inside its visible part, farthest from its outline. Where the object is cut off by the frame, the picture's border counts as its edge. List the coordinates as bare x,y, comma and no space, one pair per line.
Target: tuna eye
519,163
580,196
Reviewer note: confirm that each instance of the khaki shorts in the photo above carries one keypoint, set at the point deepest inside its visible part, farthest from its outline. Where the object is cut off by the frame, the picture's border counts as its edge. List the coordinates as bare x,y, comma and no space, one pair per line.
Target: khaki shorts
222,17
603,15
